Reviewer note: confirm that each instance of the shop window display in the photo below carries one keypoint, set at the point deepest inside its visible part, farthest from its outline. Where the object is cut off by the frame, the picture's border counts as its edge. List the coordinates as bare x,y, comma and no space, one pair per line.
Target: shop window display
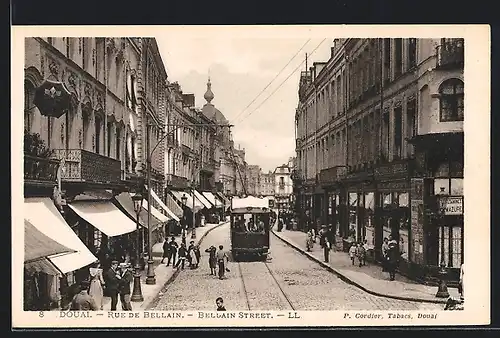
353,216
450,246
403,224
369,223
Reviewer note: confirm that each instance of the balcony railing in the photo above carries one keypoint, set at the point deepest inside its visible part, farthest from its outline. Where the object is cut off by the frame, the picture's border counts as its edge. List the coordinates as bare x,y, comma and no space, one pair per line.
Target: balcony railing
450,54
37,169
84,166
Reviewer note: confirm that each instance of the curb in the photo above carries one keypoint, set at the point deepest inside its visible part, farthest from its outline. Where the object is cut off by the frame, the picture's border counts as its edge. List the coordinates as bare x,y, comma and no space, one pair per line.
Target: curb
352,282
172,278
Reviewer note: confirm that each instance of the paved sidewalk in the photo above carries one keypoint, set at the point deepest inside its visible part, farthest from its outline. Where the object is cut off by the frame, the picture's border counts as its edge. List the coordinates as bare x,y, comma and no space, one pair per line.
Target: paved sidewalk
369,278
163,274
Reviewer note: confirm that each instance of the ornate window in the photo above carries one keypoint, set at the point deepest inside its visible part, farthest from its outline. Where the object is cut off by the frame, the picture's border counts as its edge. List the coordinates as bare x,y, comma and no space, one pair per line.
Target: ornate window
451,101
118,142
29,95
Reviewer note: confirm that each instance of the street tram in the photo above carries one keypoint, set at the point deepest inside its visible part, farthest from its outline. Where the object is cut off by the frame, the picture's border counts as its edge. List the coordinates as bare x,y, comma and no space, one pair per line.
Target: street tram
250,224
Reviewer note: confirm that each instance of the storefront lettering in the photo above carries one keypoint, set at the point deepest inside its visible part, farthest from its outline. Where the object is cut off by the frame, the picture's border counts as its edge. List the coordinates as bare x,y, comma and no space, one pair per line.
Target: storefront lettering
396,168
451,205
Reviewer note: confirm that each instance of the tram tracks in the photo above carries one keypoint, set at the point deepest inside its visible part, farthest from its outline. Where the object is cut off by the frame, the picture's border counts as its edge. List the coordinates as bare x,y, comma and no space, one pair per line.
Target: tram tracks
276,291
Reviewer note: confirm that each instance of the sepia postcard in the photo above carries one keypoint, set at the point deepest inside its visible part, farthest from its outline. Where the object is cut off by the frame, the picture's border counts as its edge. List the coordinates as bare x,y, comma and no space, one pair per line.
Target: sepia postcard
242,176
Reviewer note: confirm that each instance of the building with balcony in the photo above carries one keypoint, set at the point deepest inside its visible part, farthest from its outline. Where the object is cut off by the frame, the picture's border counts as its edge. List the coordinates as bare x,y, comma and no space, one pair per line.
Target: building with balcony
385,157
80,103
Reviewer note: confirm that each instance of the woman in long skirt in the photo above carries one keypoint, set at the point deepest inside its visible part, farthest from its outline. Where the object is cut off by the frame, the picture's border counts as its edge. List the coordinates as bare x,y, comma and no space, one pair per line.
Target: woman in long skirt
96,290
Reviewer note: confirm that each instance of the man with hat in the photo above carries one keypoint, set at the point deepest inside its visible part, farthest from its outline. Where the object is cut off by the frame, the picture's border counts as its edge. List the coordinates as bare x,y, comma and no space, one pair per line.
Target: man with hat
125,278
82,300
112,279
325,242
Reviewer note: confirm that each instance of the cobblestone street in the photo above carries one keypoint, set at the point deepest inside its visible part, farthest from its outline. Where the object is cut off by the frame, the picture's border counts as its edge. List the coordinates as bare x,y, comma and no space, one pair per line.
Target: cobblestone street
288,280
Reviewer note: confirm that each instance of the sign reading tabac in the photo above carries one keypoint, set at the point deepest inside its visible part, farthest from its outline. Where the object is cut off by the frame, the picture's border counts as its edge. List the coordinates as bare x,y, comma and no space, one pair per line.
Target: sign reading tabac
451,205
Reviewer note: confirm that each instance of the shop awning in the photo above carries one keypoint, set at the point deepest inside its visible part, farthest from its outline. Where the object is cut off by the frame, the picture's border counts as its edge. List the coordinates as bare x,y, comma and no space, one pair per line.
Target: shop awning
224,198
38,246
189,200
173,206
202,199
155,212
105,216
42,213
209,196
163,206
127,204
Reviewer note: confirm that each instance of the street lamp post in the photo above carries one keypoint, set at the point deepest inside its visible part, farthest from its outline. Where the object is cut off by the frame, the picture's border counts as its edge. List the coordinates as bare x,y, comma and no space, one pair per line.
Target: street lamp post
443,288
193,230
184,204
137,292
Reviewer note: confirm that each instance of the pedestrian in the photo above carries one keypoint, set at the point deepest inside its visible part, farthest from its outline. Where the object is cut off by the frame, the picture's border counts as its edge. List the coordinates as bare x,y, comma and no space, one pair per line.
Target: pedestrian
220,304
325,244
82,301
221,260
361,254
309,240
366,247
124,286
392,258
166,250
172,251
96,285
189,253
181,256
212,260
112,280
197,254
352,252
385,249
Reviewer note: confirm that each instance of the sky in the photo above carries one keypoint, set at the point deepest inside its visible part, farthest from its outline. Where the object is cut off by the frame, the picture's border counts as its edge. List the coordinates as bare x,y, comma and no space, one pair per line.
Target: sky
239,69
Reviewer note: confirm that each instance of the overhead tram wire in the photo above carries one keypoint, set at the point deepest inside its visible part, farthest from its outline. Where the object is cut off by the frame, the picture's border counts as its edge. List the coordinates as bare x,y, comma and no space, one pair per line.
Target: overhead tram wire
281,84
275,77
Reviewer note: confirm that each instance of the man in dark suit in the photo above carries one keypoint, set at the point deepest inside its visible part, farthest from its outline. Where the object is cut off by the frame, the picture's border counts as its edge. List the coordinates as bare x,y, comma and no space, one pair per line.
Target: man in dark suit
112,279
124,286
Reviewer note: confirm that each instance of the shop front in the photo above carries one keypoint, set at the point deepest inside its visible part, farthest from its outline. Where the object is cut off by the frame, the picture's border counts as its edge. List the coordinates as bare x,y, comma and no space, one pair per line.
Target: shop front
392,208
330,180
356,206
437,196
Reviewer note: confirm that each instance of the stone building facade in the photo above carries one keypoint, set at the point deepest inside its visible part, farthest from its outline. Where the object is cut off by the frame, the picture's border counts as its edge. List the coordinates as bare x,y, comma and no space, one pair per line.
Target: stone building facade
385,157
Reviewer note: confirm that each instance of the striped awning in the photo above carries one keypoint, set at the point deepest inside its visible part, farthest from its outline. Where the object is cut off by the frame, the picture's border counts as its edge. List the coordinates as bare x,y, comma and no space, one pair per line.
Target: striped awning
173,206
105,216
163,206
42,213
125,202
38,246
155,212
202,199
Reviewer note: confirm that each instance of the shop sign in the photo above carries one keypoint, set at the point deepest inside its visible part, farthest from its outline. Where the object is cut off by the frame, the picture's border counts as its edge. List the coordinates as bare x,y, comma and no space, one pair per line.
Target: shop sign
451,205
392,169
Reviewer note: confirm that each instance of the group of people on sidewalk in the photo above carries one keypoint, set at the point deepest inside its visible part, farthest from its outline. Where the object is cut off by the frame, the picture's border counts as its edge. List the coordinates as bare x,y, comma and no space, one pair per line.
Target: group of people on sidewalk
358,250
217,258
115,283
179,254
